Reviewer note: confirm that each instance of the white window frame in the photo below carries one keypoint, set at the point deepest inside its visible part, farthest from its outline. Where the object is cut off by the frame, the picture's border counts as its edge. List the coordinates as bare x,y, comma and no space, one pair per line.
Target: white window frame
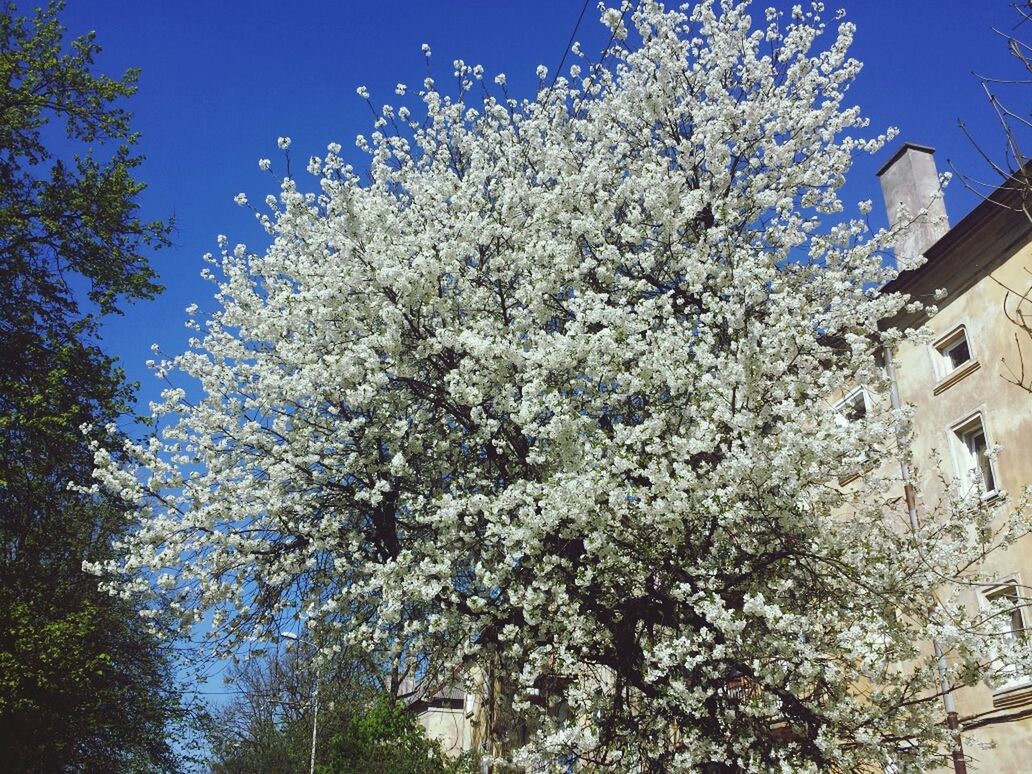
1010,586
840,407
970,472
947,344
848,399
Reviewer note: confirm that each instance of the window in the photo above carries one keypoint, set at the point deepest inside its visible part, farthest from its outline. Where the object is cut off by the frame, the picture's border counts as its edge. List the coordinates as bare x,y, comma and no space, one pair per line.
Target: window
956,352
854,406
1006,600
976,466
1005,608
954,358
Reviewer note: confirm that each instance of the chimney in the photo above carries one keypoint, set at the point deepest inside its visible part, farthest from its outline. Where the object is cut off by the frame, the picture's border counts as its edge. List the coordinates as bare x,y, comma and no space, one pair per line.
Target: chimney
910,182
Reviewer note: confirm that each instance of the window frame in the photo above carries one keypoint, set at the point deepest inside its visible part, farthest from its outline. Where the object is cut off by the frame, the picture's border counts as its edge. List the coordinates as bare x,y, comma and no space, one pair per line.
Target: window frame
946,373
949,342
968,464
840,408
848,399
951,347
1010,586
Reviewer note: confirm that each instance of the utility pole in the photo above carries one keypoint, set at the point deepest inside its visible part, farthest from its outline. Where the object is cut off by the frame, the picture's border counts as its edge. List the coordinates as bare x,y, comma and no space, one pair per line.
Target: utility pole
315,695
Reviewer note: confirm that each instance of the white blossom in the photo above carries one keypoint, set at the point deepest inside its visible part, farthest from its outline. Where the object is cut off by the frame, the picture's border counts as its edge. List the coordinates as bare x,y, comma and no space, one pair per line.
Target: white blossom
613,19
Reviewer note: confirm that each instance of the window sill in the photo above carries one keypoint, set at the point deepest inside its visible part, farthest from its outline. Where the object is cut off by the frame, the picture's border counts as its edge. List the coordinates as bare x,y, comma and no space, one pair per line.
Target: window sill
853,475
1016,693
954,376
848,478
987,500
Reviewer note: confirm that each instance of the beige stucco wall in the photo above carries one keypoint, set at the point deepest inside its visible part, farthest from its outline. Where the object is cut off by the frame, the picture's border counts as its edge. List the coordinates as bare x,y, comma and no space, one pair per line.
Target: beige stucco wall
1006,408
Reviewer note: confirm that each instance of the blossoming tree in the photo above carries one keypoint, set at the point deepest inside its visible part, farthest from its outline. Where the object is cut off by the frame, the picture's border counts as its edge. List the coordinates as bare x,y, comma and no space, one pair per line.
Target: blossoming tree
549,394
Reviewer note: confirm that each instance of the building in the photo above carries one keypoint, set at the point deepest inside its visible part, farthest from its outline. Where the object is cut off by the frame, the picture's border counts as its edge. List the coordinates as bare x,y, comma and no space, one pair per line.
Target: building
971,388
444,711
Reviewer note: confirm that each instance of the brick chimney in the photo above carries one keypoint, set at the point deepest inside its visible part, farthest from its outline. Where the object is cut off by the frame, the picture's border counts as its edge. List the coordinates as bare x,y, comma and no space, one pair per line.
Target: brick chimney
910,182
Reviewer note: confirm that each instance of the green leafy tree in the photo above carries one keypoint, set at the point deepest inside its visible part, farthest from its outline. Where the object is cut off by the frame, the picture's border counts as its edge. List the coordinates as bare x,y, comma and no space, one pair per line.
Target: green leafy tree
386,739
83,685
267,726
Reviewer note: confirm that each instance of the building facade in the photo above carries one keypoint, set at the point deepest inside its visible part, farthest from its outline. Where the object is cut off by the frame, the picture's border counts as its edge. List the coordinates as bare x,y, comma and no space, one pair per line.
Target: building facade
971,389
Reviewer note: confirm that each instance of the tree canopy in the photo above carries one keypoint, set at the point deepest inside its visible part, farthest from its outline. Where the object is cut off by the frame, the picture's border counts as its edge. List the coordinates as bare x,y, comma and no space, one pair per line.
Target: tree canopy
549,392
386,739
83,684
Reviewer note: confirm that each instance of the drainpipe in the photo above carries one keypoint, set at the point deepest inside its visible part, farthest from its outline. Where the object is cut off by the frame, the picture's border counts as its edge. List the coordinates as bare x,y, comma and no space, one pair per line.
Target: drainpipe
959,762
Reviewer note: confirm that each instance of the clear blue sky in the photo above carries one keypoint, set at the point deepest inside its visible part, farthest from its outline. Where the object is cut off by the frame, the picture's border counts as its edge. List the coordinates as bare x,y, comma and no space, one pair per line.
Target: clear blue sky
221,80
